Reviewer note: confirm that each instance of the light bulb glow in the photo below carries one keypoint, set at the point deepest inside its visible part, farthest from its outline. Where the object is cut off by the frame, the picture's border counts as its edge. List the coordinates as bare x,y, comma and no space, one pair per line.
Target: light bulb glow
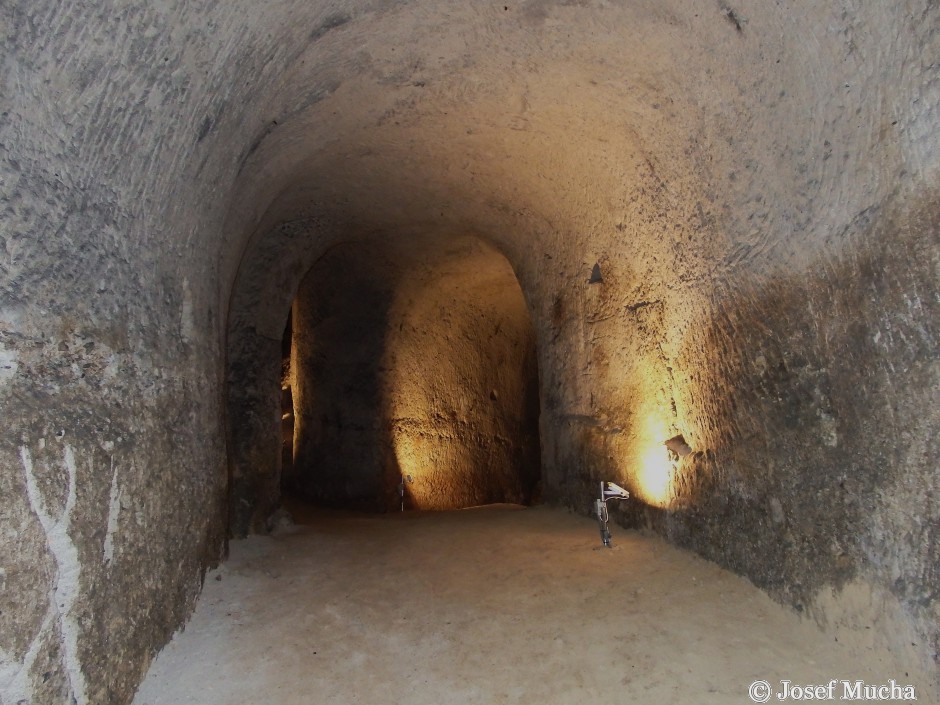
655,471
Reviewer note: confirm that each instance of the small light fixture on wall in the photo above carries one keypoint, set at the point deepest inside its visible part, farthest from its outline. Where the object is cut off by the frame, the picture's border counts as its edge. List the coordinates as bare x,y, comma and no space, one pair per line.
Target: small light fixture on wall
678,446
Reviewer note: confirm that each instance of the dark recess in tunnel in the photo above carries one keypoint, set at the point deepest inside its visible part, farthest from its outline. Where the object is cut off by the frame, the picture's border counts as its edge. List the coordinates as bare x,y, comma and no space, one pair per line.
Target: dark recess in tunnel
410,366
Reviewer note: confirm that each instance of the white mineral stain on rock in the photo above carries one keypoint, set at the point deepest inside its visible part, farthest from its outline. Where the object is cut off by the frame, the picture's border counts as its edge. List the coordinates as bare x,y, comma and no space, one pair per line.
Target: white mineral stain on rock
66,589
114,512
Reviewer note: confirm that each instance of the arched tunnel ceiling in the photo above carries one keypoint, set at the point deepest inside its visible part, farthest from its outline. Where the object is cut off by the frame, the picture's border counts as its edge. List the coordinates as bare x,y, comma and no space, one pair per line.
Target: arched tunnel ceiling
744,133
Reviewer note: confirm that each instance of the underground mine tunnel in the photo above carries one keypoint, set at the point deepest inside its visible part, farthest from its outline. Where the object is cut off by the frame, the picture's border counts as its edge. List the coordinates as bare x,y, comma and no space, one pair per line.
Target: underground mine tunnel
710,219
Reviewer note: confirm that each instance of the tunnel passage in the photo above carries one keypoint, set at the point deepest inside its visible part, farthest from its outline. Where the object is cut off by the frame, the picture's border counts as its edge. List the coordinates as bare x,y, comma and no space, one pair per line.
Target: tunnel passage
413,360
759,187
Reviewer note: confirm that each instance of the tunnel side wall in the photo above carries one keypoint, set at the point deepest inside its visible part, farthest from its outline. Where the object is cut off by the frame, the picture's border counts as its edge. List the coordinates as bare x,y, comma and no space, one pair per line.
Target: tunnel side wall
261,299
113,304
810,404
822,410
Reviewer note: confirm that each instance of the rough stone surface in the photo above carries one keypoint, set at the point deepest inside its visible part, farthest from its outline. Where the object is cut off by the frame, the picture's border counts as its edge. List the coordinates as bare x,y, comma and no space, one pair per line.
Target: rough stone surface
757,186
414,362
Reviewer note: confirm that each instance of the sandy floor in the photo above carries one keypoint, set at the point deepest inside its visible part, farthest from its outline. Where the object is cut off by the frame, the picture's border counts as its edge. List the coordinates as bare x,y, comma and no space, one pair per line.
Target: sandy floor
494,605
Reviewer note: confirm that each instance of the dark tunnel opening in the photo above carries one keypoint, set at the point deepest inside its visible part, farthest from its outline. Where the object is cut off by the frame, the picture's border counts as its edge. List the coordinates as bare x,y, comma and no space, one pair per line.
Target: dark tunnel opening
412,380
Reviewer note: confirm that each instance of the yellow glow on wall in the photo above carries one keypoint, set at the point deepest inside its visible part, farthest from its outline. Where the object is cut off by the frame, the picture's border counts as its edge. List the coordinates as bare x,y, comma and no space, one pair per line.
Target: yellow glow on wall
412,458
406,454
655,471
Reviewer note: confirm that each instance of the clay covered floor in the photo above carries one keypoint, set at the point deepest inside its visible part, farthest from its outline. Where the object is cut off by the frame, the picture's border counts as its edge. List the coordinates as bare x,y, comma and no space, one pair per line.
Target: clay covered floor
520,246
492,605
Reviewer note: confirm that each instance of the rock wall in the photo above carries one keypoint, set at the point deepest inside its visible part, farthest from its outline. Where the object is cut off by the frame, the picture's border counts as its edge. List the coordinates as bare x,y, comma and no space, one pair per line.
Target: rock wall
808,403
757,187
